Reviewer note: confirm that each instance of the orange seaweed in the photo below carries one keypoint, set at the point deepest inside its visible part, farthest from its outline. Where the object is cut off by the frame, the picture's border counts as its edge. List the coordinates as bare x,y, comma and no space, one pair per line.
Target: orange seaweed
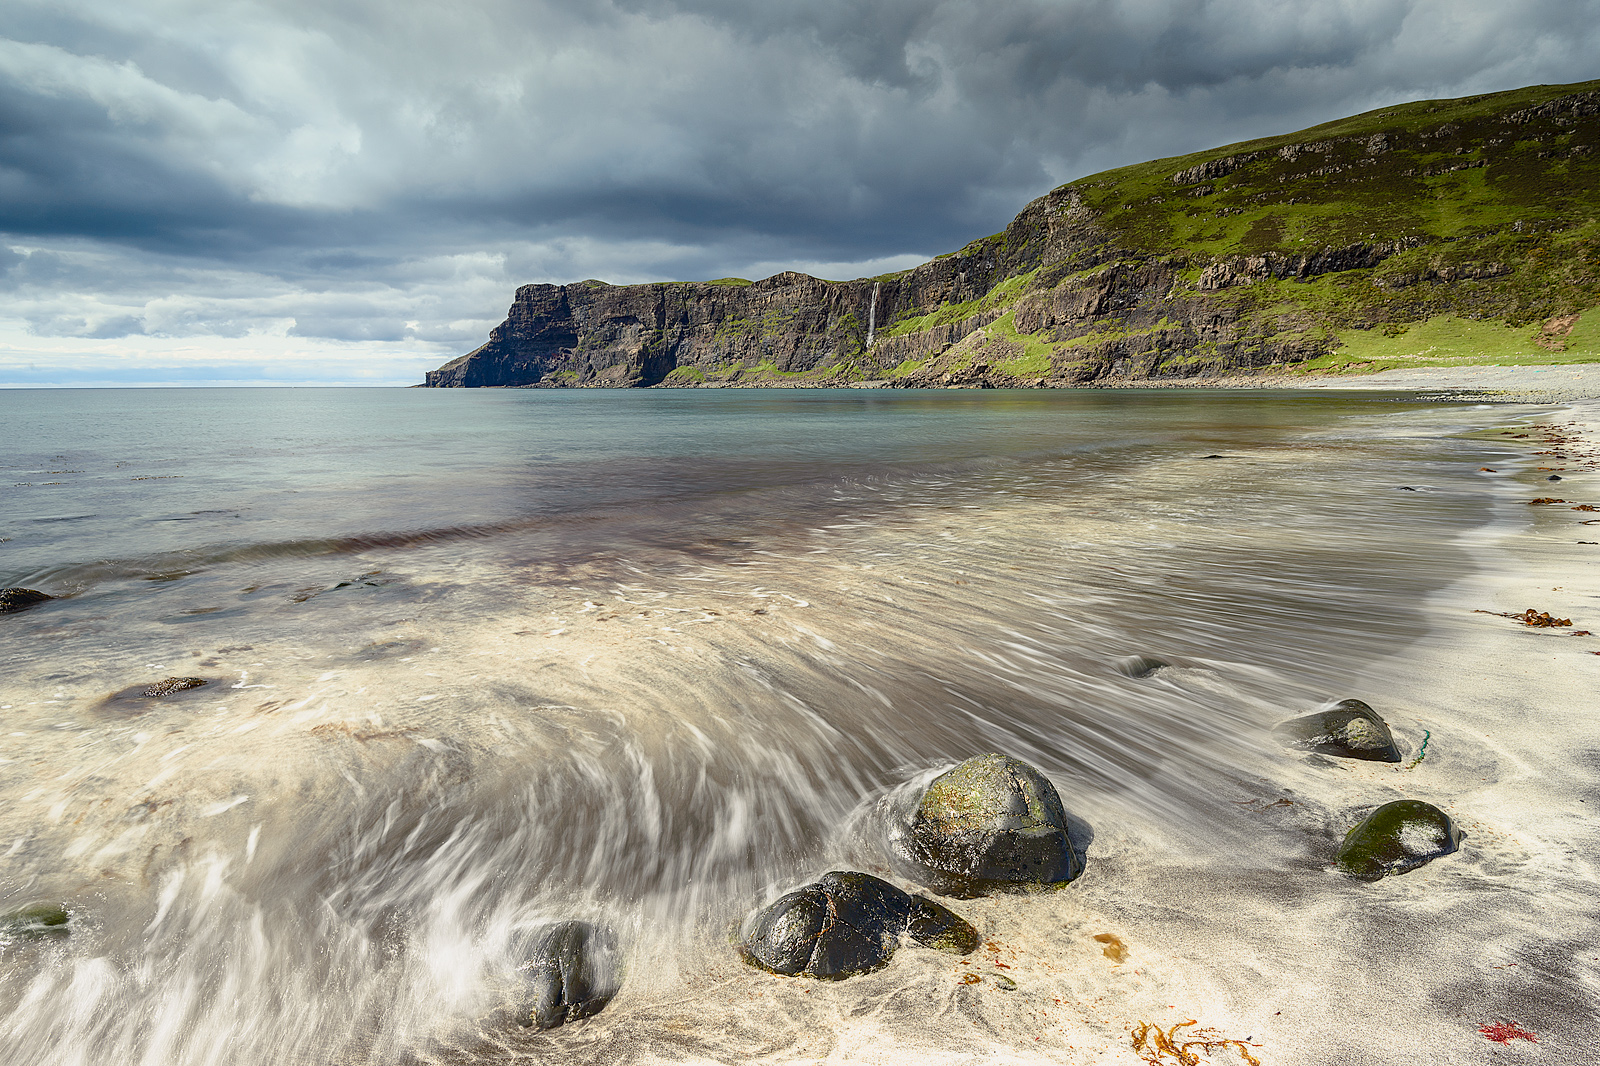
1531,617
1154,1044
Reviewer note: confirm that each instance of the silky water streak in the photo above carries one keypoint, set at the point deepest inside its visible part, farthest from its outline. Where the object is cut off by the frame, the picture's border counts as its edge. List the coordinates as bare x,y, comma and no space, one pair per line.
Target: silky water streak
477,660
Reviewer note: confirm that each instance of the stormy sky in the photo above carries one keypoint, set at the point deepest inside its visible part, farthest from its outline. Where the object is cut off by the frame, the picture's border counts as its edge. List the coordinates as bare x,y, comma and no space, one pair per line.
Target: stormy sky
348,191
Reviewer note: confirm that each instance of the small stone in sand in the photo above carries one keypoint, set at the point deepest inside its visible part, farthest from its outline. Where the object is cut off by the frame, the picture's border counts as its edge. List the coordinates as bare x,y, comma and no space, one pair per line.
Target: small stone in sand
168,686
35,921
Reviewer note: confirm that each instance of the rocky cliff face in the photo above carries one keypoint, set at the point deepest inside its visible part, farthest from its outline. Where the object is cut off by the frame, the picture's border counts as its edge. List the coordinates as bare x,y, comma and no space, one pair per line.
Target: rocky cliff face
1249,256
594,334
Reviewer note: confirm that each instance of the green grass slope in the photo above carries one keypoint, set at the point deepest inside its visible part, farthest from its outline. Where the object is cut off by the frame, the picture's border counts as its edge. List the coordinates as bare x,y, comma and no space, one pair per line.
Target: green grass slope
1432,170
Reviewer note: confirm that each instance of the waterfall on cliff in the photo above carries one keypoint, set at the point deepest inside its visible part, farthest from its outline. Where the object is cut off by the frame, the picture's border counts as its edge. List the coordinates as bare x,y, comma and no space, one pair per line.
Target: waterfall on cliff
872,314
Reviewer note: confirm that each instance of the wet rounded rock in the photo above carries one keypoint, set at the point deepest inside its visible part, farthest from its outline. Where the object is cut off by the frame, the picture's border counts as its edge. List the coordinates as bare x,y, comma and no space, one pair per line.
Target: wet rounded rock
37,921
1140,666
17,599
572,970
845,924
1350,730
990,824
1395,838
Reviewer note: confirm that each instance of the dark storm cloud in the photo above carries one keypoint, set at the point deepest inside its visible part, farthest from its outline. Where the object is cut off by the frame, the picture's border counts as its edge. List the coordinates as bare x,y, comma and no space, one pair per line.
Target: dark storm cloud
370,172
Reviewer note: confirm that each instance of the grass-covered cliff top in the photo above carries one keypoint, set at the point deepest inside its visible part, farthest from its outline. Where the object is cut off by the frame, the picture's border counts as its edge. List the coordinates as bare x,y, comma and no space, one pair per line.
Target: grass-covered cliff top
1516,162
1442,232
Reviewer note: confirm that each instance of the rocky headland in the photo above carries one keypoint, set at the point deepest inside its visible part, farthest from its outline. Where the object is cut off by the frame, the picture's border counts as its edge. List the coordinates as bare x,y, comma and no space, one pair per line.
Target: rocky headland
1315,250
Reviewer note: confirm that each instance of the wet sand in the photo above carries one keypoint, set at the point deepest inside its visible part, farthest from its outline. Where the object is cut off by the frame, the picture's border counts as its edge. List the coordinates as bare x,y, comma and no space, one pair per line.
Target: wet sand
1208,894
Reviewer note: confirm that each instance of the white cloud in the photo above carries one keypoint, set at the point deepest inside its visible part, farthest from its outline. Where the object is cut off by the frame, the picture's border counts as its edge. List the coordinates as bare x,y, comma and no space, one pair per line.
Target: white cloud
378,174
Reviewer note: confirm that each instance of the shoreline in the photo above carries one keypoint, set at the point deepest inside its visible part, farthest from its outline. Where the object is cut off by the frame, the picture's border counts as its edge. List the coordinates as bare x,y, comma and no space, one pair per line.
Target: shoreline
1489,383
1540,384
1423,966
1500,932
1294,963
1511,761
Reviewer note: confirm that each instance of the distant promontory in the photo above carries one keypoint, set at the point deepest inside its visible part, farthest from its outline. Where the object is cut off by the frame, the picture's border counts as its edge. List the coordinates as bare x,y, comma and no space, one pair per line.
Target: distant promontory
1476,217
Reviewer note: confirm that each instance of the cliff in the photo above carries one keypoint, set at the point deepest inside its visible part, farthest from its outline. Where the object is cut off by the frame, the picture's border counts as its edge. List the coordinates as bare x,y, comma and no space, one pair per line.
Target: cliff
1282,252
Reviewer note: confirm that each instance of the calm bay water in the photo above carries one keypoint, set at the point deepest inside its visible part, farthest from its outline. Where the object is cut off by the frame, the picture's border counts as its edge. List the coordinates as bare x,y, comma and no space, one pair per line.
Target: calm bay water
480,659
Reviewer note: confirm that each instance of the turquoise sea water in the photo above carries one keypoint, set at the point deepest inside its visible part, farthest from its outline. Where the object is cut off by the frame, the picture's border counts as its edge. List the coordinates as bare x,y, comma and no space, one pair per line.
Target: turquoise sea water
480,659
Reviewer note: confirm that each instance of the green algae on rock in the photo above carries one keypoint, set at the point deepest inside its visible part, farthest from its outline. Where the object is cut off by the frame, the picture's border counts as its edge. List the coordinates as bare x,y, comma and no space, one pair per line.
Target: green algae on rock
845,924
35,921
1396,838
571,972
1351,730
990,824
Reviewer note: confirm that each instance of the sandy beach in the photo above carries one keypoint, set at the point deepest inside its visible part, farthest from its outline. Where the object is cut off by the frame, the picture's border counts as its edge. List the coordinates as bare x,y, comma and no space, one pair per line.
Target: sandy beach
1497,384
1485,955
421,765
1512,711
1521,384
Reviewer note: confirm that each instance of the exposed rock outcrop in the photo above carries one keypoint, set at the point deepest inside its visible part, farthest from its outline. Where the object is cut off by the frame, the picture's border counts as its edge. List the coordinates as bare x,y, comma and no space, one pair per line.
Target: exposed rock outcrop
594,334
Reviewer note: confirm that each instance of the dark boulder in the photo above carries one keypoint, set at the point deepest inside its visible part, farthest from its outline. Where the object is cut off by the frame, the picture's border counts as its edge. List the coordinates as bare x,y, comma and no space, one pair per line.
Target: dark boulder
20,599
846,924
572,970
990,824
1350,729
36,921
1395,838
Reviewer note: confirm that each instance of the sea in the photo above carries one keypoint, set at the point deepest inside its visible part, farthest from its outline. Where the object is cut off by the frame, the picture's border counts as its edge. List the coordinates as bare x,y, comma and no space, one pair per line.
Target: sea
479,660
